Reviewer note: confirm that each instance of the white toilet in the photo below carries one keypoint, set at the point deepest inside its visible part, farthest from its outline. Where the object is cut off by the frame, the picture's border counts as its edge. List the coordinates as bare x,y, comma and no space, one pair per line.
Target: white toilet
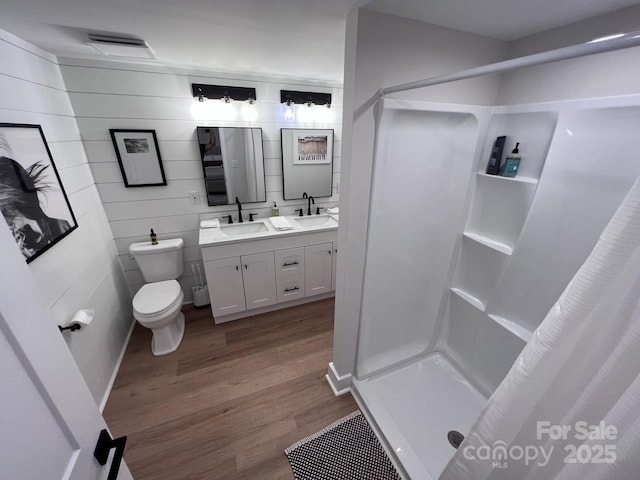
157,304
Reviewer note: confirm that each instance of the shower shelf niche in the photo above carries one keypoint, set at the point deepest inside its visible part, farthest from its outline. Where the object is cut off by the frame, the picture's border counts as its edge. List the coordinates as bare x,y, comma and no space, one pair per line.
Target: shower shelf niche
479,304
489,242
510,179
518,330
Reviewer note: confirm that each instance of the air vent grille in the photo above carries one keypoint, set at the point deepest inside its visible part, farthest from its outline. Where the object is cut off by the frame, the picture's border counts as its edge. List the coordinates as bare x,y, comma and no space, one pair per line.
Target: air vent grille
120,46
113,40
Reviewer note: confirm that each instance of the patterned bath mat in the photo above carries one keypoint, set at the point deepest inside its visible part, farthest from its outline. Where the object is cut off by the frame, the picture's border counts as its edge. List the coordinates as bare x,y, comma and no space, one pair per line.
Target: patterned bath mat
345,450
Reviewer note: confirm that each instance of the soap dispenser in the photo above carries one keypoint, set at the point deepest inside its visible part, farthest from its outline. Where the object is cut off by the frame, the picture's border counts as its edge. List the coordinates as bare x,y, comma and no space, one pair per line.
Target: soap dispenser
154,237
275,211
511,163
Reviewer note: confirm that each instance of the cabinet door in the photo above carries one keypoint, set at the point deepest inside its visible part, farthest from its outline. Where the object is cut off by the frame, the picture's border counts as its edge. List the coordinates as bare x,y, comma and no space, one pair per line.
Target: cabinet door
224,278
259,277
317,268
334,265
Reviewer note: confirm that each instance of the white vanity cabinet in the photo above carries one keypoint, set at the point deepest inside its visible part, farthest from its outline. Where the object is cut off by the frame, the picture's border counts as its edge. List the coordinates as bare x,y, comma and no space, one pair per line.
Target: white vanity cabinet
258,276
226,289
254,276
318,264
334,267
237,284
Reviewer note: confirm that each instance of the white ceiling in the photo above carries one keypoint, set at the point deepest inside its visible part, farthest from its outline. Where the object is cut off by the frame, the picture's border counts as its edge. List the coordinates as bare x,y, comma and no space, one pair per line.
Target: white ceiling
501,19
293,38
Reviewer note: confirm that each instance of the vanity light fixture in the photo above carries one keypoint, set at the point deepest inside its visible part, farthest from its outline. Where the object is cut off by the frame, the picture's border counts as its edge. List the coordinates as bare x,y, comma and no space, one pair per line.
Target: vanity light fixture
312,100
306,98
227,94
223,92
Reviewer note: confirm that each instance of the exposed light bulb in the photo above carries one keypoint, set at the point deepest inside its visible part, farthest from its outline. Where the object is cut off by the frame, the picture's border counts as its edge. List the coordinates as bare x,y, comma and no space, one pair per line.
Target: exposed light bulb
249,111
289,111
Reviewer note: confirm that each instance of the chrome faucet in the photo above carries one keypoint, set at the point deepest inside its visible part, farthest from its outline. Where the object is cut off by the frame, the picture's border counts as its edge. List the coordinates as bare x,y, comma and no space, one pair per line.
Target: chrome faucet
239,211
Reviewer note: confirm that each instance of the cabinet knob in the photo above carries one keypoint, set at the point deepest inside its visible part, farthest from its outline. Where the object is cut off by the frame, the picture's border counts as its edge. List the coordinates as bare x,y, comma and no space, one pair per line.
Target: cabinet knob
329,252
245,266
237,268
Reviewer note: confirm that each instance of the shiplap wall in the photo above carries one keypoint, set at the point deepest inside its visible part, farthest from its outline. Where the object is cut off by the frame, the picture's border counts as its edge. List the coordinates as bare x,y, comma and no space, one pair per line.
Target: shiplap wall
108,95
82,270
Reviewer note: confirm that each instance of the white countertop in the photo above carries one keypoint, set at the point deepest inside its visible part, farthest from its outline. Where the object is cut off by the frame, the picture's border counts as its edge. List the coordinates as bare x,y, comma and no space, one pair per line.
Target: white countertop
216,236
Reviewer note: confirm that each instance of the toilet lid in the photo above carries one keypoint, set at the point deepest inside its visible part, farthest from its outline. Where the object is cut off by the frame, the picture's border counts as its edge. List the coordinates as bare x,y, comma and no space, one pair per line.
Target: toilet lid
154,298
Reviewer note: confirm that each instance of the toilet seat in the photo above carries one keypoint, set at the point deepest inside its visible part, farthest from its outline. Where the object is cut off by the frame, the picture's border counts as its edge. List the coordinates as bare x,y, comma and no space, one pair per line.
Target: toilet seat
157,299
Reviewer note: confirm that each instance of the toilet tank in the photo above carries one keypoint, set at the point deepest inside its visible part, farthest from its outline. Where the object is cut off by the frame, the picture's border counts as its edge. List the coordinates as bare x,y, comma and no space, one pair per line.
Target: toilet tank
159,262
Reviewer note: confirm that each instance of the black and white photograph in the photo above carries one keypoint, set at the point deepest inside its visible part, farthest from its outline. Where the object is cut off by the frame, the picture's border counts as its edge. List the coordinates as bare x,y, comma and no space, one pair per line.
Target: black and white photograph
139,157
32,198
136,145
312,146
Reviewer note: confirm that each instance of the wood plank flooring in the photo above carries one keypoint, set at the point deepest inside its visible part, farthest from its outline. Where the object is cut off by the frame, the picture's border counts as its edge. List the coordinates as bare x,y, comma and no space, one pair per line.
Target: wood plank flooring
228,402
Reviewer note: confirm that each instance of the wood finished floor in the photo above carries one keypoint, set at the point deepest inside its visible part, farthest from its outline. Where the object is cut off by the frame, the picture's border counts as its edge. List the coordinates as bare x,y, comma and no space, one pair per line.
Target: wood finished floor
227,403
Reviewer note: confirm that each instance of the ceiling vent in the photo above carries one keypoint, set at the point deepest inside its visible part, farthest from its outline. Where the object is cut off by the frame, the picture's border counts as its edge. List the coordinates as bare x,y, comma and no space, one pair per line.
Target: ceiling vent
117,46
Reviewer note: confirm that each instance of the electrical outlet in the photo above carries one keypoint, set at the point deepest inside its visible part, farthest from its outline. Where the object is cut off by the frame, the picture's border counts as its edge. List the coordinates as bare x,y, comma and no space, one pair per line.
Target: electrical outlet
194,197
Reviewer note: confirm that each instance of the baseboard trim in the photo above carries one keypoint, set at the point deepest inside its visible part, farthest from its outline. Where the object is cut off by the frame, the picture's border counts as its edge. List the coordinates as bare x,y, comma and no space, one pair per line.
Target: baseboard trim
362,405
272,308
339,384
107,392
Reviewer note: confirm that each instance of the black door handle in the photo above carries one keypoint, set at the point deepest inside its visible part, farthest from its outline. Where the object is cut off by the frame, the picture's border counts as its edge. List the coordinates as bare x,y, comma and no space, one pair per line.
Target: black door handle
104,445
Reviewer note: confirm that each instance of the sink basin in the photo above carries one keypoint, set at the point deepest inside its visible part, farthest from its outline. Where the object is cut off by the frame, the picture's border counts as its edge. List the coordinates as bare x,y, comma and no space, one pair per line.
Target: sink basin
316,221
243,228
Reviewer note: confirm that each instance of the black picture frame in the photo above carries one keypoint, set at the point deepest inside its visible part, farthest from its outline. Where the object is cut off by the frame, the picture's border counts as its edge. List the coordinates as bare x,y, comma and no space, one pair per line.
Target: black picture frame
289,148
138,152
33,200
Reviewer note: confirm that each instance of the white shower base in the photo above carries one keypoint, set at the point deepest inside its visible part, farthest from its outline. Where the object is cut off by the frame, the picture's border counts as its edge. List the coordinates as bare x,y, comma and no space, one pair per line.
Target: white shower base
415,406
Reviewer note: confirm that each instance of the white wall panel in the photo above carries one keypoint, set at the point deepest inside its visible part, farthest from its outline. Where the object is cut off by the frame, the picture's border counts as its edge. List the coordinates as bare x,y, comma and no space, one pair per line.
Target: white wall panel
76,272
27,62
41,98
67,154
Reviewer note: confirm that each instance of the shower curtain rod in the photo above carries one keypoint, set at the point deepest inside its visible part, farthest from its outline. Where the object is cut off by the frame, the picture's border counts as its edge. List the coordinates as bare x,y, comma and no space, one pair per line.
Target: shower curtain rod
599,45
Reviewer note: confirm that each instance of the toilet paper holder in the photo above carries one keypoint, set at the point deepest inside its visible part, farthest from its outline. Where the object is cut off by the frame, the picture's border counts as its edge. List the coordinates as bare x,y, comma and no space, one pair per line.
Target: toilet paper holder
73,327
80,321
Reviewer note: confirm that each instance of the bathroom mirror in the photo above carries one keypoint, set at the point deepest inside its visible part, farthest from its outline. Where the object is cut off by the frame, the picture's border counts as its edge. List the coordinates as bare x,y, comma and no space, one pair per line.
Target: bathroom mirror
233,164
307,162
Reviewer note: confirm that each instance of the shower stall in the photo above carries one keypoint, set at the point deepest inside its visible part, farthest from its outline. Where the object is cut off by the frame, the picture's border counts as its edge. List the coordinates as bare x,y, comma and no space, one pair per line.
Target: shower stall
455,286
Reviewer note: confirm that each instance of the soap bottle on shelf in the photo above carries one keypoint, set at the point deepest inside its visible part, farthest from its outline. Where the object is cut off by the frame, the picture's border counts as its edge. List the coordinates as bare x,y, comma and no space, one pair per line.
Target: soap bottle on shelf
154,237
275,211
493,167
511,163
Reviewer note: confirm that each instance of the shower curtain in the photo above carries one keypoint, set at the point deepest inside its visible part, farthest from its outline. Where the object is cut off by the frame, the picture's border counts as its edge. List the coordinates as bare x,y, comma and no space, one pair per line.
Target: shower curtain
570,406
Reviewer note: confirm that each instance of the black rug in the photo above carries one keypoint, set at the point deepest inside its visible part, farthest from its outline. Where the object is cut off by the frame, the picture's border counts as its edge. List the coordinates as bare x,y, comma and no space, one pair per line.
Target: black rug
345,450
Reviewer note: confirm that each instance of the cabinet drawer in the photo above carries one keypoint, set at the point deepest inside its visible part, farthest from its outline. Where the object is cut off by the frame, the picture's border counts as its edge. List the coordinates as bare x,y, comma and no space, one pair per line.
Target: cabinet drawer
290,287
289,262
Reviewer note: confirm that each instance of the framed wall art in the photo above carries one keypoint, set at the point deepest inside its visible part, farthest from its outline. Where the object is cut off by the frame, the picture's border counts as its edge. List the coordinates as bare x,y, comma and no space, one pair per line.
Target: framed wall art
139,157
311,147
32,198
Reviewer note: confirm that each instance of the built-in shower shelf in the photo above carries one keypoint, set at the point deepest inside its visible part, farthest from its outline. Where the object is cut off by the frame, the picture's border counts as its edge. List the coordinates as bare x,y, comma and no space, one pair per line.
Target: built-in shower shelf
518,330
469,298
500,247
510,179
